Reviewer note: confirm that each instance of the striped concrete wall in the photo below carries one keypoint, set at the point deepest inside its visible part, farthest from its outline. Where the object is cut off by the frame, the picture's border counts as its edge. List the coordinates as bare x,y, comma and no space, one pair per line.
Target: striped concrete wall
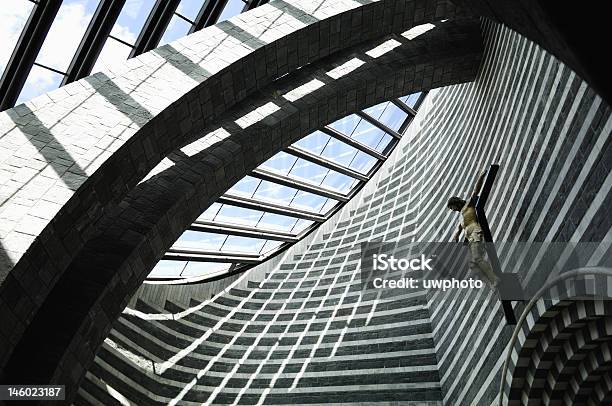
551,135
304,333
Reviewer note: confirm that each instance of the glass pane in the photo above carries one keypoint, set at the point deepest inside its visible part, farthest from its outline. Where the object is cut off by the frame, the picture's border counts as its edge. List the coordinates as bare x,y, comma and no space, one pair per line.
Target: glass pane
347,124
301,225
232,8
314,142
238,215
368,134
376,111
131,19
330,204
309,172
167,269
274,192
339,182
196,240
235,243
339,152
210,213
270,246
190,8
363,162
66,33
393,117
280,163
277,222
309,201
194,269
411,99
13,17
114,52
245,186
177,28
39,81
383,142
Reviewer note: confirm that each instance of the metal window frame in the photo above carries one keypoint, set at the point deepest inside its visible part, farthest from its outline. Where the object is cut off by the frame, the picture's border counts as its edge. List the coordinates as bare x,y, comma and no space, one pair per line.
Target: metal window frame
262,205
218,227
284,180
326,163
155,26
26,51
93,41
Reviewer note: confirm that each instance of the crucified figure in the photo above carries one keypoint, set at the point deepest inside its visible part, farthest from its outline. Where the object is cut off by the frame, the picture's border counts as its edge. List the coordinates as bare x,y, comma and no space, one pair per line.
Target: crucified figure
473,232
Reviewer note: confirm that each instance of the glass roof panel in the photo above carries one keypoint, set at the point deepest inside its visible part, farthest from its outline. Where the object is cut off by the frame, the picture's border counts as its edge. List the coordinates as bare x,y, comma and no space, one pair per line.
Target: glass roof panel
177,28
211,212
339,182
384,141
66,33
393,117
411,99
277,222
168,269
376,111
238,215
249,245
131,19
245,186
301,225
368,134
309,201
339,152
13,17
363,162
190,8
196,268
308,172
197,240
275,193
270,246
347,124
280,163
314,142
232,8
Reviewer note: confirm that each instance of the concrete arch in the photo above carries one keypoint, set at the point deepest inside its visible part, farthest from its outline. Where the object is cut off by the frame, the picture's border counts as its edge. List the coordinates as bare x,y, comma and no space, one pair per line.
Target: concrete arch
139,130
154,214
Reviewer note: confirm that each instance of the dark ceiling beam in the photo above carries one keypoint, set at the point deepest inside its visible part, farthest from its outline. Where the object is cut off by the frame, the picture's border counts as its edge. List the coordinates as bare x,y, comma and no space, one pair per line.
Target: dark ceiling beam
26,51
256,204
155,26
208,15
94,39
218,227
403,106
297,184
211,256
324,162
251,4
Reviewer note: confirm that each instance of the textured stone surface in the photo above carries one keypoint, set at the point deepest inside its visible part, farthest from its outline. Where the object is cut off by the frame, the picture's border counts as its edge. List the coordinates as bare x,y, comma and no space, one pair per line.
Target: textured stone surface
525,111
133,237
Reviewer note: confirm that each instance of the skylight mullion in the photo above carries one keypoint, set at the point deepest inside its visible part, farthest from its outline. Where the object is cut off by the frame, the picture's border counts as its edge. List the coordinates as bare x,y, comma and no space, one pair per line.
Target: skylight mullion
379,124
319,160
26,51
296,184
256,204
93,41
353,143
242,231
208,15
404,107
155,26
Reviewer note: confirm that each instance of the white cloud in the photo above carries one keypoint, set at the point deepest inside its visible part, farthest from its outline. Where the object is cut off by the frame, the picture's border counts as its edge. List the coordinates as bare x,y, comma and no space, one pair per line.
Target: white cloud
13,16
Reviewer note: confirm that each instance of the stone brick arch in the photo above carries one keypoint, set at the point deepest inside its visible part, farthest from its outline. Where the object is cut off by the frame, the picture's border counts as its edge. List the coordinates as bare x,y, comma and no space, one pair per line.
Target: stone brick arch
97,138
133,237
74,153
560,352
